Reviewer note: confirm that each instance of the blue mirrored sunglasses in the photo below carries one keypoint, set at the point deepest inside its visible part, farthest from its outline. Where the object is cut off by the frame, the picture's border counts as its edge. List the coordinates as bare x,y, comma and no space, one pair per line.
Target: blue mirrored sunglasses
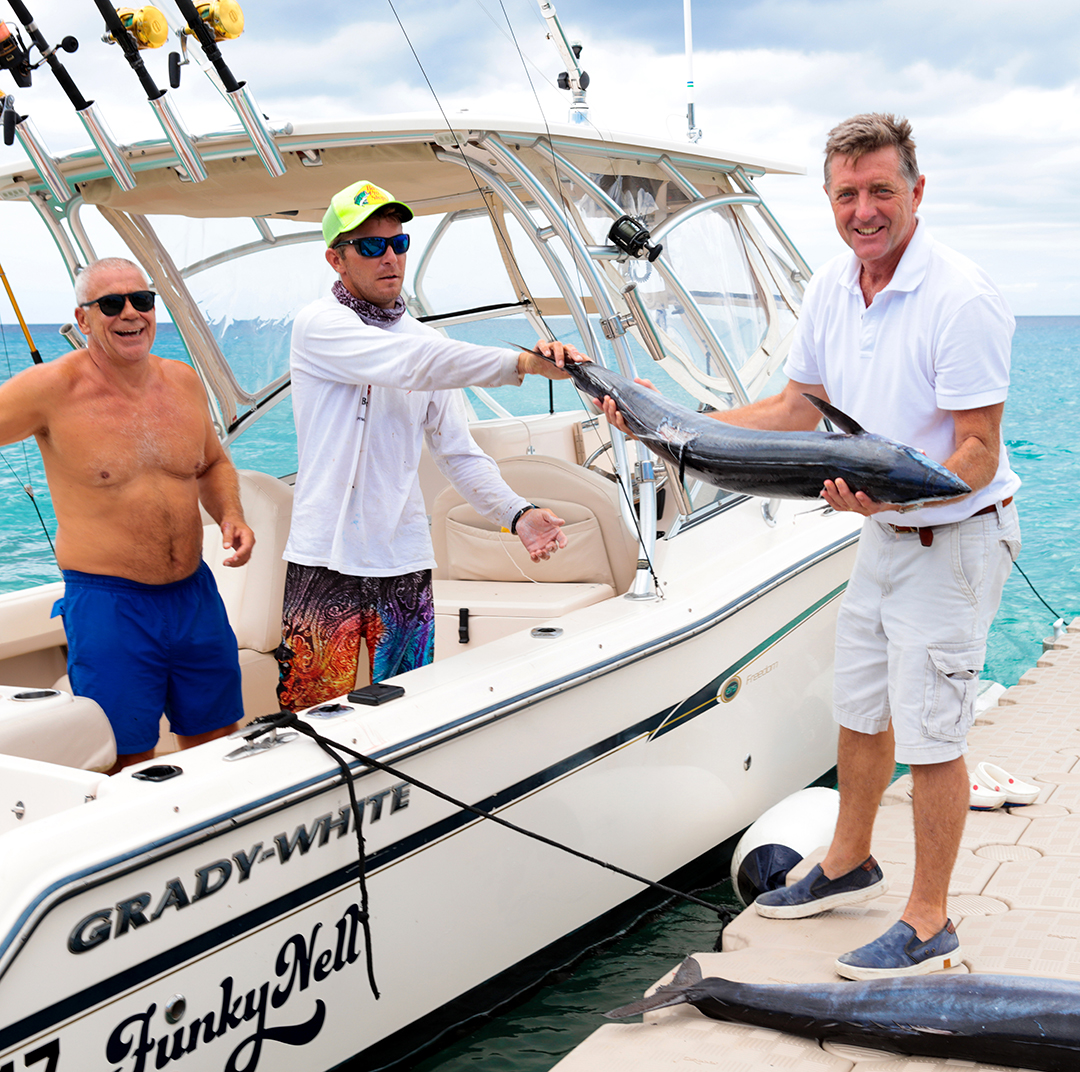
142,301
375,246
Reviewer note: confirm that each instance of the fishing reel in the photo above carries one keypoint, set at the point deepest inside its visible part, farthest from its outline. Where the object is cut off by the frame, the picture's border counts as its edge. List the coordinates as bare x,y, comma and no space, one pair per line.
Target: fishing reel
8,117
147,26
225,18
633,238
15,57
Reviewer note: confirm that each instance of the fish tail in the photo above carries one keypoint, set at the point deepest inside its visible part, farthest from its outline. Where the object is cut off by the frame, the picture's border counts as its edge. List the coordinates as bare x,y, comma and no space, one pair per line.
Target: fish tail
674,993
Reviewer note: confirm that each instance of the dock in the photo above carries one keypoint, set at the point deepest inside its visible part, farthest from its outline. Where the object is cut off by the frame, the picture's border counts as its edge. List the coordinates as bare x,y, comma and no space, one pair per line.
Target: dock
1014,897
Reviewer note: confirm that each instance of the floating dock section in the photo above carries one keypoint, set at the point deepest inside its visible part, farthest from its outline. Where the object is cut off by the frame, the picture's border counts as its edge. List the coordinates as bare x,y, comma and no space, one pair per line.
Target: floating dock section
1014,897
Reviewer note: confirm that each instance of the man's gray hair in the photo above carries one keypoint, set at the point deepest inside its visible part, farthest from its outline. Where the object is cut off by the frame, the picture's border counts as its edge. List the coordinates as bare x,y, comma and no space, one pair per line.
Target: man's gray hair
867,133
85,279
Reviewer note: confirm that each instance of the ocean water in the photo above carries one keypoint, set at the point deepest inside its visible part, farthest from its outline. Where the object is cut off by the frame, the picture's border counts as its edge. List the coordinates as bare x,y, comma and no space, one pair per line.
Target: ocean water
1041,420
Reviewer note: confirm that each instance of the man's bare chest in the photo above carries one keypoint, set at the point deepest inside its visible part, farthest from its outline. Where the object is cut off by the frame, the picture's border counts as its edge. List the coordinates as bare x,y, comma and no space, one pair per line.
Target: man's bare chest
106,444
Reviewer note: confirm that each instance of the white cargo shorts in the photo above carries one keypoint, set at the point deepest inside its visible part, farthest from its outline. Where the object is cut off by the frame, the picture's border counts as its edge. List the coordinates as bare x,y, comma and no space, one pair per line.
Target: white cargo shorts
912,627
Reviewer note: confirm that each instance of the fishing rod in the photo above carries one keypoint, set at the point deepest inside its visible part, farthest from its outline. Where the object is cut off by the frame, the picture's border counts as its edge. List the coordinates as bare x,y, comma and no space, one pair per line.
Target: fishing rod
146,28
210,23
18,313
577,80
27,487
93,123
15,58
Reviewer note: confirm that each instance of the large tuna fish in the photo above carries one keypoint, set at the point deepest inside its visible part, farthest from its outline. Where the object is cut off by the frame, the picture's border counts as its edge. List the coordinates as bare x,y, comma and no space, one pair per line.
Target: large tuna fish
995,1019
783,465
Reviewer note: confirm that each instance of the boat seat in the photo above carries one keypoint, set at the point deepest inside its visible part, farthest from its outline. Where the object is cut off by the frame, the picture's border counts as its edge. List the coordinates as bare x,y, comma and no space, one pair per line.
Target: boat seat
489,574
253,593
53,726
33,647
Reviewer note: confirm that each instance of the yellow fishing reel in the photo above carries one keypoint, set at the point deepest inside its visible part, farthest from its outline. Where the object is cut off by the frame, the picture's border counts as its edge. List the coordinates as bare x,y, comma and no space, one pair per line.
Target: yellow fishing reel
147,26
224,17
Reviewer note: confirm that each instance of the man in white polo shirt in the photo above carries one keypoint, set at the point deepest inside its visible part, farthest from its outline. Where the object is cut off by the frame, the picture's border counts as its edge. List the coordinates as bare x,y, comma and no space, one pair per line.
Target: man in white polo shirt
913,341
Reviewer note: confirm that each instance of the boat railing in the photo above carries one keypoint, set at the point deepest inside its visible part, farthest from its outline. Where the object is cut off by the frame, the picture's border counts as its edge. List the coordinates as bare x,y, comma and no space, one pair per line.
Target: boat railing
227,255
645,520
698,205
802,269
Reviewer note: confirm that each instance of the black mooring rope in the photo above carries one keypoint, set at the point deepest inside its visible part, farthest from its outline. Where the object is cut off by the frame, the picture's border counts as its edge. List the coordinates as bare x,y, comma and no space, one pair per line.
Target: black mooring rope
358,821
288,718
1016,566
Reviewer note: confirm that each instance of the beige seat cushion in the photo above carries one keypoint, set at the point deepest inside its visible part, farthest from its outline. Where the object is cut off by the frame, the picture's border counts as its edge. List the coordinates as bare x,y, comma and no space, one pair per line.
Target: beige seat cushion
253,593
476,551
600,548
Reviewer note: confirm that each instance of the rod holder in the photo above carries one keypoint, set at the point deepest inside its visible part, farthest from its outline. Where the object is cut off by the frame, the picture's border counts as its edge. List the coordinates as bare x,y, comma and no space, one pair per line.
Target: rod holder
110,151
178,137
248,114
44,161
74,339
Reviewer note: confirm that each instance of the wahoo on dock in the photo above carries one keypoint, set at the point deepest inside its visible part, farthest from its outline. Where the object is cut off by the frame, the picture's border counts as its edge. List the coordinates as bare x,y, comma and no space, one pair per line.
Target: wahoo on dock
999,1019
782,465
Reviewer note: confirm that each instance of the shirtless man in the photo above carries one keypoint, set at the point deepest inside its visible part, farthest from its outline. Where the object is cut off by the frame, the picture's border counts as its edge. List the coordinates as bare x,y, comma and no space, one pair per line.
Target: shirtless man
130,451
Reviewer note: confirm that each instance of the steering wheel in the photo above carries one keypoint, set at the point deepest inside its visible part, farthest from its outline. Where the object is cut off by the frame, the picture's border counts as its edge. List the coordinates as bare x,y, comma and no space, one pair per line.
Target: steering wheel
659,466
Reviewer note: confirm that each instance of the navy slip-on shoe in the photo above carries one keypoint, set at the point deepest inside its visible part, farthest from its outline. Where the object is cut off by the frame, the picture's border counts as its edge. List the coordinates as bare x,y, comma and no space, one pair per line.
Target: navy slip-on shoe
815,893
899,952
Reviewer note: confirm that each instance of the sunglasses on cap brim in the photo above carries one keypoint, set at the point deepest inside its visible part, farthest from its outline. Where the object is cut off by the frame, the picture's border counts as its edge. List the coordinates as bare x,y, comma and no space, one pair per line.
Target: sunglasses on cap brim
375,245
142,301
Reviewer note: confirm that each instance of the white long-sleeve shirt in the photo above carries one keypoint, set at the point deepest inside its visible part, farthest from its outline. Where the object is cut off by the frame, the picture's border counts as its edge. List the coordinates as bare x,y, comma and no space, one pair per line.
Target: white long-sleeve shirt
364,400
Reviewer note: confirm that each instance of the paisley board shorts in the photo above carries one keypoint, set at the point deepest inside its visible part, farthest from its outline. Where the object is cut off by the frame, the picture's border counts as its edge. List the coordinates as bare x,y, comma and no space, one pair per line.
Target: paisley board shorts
326,615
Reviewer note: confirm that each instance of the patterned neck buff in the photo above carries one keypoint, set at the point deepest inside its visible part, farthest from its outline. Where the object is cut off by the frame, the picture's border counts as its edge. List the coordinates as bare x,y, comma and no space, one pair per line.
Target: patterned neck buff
370,314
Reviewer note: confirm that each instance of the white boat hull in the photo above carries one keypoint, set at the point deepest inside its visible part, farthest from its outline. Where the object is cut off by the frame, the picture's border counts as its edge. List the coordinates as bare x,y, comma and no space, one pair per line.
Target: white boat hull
646,735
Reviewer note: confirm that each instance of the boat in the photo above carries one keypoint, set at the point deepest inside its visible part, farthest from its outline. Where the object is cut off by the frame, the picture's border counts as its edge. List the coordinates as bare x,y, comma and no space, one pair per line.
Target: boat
641,698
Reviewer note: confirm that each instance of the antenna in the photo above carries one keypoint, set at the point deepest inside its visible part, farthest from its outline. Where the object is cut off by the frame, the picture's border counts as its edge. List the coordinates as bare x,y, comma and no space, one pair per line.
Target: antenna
692,131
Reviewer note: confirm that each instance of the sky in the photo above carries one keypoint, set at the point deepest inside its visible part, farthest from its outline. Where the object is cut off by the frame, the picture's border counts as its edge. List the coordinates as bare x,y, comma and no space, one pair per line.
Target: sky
991,88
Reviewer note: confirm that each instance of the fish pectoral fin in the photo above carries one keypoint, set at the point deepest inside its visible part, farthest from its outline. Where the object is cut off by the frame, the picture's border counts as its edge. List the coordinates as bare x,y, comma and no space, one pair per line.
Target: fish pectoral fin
687,974
838,417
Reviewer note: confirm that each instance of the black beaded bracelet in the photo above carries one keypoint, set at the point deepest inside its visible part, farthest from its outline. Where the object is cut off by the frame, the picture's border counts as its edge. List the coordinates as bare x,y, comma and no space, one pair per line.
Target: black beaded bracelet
517,516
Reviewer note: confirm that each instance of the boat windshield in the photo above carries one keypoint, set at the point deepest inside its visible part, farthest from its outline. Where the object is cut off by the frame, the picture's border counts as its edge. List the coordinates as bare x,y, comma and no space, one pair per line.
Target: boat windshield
512,249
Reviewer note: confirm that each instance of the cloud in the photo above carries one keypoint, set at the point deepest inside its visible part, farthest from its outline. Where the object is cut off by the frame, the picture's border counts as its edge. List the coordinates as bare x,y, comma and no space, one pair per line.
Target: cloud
987,85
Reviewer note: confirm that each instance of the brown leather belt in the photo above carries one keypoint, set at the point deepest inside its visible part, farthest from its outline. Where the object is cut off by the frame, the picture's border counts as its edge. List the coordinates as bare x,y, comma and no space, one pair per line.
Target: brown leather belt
926,533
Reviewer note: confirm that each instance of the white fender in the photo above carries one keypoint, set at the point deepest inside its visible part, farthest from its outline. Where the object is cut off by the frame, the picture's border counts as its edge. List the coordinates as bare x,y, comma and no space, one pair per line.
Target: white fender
774,844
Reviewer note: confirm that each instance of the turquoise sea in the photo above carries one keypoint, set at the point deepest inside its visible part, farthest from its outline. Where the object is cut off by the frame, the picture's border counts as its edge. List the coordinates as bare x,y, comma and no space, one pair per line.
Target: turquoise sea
1041,421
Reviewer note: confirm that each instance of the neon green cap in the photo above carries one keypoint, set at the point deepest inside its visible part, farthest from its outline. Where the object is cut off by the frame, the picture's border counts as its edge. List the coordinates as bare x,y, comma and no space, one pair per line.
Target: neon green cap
351,206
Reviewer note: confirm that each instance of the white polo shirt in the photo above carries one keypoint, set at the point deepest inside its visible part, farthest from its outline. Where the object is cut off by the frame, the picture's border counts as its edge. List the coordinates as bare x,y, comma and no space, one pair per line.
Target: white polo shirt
938,338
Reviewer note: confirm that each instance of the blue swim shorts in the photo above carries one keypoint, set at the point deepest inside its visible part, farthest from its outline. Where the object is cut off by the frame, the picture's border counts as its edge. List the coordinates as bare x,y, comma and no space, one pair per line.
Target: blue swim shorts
143,649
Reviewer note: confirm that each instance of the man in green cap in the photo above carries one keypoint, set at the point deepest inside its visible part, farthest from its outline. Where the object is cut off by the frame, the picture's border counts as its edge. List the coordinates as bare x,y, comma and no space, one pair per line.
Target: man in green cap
369,385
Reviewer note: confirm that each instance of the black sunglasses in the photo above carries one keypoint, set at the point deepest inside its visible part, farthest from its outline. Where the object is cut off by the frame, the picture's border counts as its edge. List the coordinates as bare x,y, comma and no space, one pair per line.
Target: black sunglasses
142,301
375,246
